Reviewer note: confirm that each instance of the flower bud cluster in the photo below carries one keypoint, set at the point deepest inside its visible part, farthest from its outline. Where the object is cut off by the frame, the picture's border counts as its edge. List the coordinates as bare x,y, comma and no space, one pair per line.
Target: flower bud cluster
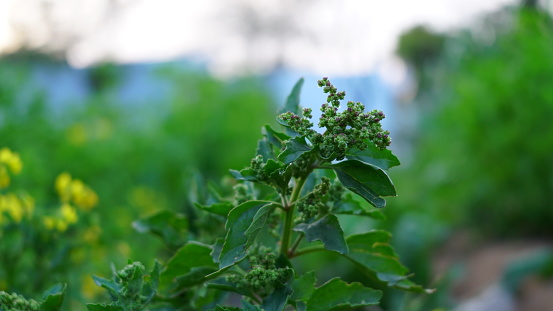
15,302
128,292
348,129
314,203
264,277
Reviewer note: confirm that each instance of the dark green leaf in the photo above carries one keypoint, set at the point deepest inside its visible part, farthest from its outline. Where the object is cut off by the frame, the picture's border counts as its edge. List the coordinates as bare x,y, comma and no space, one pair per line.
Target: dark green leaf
303,287
293,100
326,230
339,295
150,287
275,138
277,300
366,180
383,159
222,308
264,149
251,214
53,298
295,147
191,255
245,174
217,247
102,307
135,283
373,254
170,226
350,206
246,306
224,285
222,208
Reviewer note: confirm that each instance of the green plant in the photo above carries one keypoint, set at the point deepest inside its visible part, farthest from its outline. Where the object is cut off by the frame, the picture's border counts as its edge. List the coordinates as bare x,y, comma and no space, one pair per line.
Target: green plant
52,300
287,204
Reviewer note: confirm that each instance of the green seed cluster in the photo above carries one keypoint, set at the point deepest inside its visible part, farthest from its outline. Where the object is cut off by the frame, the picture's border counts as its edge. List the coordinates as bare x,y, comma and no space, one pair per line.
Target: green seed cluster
315,201
344,130
15,302
264,277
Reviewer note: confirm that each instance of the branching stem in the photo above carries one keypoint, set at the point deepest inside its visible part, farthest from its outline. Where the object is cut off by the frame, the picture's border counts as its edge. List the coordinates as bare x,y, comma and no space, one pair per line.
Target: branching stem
288,220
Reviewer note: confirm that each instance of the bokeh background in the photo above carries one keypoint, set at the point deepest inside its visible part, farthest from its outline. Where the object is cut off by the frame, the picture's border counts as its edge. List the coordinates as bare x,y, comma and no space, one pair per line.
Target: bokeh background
149,103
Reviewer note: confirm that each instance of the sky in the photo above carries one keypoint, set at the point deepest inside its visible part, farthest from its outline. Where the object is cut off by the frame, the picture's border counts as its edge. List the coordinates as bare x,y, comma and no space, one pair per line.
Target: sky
334,37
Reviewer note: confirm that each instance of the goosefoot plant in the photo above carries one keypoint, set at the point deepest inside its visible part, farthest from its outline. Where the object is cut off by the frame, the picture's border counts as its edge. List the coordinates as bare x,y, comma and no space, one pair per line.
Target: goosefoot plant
286,205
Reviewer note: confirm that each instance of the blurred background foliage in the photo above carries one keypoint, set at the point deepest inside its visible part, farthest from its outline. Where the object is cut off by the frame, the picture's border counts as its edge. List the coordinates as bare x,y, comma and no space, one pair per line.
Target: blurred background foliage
478,157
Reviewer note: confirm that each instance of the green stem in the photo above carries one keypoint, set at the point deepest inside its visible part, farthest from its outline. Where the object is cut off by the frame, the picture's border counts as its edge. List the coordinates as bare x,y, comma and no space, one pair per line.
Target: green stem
296,244
308,250
287,231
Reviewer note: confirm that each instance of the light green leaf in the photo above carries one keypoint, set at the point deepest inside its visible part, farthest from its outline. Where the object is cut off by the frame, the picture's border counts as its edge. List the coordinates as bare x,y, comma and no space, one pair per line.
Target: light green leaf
295,147
303,287
339,295
53,298
222,208
170,226
383,159
239,235
179,270
370,182
327,230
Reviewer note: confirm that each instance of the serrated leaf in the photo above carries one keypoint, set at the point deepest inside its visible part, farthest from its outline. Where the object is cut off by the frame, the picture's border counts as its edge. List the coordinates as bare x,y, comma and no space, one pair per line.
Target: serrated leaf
339,295
372,253
383,159
222,208
370,182
179,269
264,149
293,100
102,307
327,230
152,282
53,298
170,226
303,287
350,206
239,221
295,147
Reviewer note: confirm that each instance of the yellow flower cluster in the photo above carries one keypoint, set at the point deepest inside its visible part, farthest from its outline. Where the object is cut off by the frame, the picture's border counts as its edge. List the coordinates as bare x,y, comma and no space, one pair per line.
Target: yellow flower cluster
75,191
15,207
9,161
71,191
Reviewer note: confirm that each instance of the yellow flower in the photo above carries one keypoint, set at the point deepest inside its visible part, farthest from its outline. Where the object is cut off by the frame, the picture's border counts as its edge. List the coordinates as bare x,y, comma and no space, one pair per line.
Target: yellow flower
11,159
4,177
11,205
62,184
68,214
61,225
49,222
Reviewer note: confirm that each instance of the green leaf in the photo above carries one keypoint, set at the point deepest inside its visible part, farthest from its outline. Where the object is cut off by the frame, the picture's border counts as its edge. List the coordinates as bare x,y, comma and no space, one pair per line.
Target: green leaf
53,298
383,159
112,287
223,308
179,271
350,206
372,253
264,149
370,182
293,100
239,238
339,295
222,208
152,282
303,287
102,307
246,306
275,138
170,226
295,147
277,300
224,285
326,230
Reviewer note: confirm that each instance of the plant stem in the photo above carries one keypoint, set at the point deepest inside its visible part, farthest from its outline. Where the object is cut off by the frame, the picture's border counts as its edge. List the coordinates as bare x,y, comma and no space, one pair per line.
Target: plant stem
295,245
287,231
308,250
